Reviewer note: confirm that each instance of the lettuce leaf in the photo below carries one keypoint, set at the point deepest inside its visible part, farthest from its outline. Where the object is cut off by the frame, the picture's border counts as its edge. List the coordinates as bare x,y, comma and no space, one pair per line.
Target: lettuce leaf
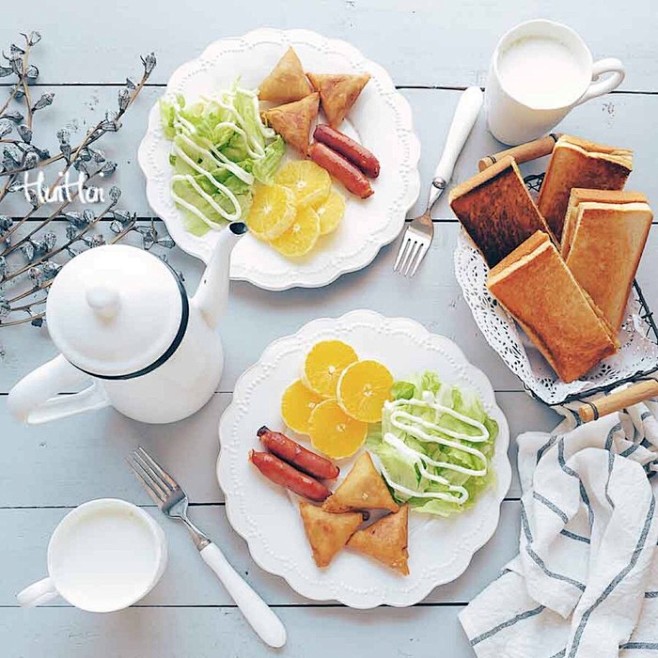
264,168
223,138
403,469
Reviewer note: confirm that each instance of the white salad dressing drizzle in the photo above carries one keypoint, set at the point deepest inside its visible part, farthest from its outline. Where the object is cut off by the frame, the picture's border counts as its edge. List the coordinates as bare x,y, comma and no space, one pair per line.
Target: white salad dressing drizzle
254,149
416,426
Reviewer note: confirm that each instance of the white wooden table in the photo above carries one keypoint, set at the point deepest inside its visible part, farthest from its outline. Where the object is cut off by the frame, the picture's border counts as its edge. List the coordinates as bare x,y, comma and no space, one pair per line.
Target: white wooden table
432,49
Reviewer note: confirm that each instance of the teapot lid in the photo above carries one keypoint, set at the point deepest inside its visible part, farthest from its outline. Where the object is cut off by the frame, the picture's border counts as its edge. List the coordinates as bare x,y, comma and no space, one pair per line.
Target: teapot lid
117,312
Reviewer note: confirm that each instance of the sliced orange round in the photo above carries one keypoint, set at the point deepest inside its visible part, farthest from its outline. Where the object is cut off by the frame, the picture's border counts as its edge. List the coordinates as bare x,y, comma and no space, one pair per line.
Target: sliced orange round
309,182
333,432
324,364
363,387
301,236
297,403
331,212
272,211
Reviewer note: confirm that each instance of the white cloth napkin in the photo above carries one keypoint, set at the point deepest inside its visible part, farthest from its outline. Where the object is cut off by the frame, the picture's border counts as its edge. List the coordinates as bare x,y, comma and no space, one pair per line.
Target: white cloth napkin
585,582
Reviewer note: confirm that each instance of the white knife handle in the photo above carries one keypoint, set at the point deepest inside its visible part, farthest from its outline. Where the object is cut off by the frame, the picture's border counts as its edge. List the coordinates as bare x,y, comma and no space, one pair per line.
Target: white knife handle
256,611
463,121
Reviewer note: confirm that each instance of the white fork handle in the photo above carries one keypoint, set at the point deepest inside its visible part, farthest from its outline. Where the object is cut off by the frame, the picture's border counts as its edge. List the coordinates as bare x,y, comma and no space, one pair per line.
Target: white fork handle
256,611
463,121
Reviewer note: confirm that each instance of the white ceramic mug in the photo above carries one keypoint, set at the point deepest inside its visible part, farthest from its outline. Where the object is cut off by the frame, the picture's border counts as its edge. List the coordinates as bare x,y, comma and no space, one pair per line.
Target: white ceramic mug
104,555
539,71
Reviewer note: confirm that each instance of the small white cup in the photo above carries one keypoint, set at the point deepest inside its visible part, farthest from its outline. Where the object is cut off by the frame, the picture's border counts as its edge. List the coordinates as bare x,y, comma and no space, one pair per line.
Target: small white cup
104,555
512,119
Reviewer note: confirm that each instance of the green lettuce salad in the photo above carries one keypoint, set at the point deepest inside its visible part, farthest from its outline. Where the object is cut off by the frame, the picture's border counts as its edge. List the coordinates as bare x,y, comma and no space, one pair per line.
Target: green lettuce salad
435,445
220,147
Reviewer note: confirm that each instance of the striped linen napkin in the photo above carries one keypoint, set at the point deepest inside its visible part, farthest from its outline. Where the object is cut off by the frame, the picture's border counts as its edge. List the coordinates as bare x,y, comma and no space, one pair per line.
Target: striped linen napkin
585,582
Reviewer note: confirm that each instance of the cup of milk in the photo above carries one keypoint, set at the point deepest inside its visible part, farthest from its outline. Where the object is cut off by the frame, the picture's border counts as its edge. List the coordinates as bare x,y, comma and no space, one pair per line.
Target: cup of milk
105,555
539,71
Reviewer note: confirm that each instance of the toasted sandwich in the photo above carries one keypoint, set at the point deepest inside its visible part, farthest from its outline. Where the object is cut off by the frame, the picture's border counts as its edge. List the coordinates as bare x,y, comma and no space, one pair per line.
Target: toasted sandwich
496,210
576,162
535,286
602,243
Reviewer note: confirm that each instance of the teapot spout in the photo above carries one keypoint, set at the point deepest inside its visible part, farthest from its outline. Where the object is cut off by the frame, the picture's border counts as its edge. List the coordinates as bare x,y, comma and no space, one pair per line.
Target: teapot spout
212,295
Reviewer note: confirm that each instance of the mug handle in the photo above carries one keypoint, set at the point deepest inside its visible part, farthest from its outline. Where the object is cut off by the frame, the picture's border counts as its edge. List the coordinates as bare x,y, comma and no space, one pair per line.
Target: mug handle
37,594
34,399
617,72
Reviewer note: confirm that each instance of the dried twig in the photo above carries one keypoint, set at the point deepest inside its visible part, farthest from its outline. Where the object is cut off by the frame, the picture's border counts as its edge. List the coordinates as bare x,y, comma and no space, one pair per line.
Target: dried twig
30,260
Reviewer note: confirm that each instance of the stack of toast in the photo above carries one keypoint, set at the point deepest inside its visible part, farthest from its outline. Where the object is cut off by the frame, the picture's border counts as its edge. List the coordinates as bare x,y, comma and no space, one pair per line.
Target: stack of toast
564,267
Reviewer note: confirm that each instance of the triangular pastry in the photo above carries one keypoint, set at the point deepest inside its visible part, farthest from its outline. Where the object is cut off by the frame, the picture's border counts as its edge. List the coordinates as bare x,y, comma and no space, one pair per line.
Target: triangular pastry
327,533
338,92
386,541
363,488
286,82
293,121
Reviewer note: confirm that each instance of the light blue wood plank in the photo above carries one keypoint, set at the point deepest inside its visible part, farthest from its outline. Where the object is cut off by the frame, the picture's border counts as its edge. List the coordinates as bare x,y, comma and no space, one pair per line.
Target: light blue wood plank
188,581
421,42
223,633
256,317
69,461
618,119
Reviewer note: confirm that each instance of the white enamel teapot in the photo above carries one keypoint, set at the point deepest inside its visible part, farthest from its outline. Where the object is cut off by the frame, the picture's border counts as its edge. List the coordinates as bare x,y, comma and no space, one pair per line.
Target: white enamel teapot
130,337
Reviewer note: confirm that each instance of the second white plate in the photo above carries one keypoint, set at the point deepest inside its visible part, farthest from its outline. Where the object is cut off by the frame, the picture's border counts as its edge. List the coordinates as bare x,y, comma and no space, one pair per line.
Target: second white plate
440,549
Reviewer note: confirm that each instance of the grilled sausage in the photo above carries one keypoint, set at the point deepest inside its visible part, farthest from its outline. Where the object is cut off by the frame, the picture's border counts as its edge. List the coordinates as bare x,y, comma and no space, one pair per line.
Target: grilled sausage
357,154
340,169
298,456
279,472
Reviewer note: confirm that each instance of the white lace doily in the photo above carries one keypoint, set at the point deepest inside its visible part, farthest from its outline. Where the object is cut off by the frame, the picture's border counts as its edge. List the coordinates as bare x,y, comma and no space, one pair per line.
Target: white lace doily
638,354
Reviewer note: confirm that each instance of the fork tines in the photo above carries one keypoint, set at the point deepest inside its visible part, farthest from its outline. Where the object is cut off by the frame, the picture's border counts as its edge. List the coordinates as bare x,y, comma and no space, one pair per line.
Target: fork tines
411,253
157,482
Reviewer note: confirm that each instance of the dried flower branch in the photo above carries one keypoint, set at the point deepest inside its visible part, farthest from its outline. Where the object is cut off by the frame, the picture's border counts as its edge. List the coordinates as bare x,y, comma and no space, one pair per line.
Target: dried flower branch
31,251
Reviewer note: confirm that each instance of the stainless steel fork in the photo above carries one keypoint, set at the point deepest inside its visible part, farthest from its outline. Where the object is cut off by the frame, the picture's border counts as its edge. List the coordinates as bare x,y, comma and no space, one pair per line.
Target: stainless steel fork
418,236
172,501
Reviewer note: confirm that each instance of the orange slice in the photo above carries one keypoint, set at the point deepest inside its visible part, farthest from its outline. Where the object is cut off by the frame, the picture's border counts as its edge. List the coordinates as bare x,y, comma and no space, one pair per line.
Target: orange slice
301,236
297,403
272,211
333,432
309,182
363,387
324,364
331,212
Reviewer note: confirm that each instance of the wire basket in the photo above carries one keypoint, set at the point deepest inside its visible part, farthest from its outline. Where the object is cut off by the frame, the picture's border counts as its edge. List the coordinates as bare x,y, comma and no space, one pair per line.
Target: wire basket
637,358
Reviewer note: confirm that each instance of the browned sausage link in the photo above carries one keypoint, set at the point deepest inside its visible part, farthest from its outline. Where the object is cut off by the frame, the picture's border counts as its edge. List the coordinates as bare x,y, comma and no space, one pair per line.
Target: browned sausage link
279,472
342,170
291,452
357,154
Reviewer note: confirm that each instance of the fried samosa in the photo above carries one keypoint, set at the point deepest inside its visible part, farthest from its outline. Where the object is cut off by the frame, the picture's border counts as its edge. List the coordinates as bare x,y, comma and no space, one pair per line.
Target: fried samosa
327,533
338,93
286,82
386,540
362,489
293,121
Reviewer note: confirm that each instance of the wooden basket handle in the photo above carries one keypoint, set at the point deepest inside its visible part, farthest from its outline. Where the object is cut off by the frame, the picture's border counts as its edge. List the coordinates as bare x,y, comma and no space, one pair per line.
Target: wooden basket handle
538,148
616,401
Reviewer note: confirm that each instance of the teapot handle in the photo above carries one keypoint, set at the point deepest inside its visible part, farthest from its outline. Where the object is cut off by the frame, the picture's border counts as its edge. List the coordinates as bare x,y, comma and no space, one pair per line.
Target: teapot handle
34,399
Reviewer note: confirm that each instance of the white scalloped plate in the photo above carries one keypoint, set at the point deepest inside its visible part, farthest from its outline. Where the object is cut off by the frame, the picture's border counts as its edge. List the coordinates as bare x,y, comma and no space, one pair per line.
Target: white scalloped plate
381,119
267,517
